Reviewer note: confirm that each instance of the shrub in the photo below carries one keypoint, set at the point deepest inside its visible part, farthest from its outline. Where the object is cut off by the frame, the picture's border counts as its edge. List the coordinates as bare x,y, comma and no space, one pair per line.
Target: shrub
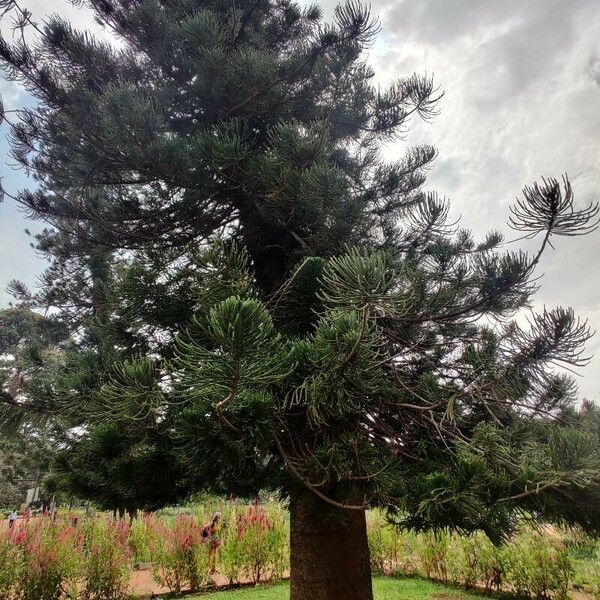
385,544
140,541
10,564
533,565
463,563
261,542
432,552
537,566
51,557
179,554
233,558
106,560
588,574
473,560
279,540
51,560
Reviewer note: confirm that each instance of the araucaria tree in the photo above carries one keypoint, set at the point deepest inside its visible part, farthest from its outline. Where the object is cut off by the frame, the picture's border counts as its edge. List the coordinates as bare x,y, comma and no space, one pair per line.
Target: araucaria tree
256,287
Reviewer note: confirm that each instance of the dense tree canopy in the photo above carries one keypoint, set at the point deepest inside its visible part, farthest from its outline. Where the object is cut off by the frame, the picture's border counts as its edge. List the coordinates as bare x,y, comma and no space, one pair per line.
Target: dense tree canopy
247,282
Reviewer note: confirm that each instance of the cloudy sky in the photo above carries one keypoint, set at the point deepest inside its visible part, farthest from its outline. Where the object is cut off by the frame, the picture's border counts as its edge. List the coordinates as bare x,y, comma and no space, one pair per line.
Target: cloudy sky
522,100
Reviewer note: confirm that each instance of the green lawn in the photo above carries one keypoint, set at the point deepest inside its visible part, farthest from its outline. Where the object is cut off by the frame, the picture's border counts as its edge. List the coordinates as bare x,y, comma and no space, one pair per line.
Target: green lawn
386,588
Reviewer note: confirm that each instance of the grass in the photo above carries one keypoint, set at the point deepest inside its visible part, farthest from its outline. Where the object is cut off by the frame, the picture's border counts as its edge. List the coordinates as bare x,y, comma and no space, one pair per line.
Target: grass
583,556
385,588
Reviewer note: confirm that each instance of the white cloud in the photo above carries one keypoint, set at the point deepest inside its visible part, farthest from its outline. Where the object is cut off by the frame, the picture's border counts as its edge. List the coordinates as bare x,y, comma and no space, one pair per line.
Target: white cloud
521,101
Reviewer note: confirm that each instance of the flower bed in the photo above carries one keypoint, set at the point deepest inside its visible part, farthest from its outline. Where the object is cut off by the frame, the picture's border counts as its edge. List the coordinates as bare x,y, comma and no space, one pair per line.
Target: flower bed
45,559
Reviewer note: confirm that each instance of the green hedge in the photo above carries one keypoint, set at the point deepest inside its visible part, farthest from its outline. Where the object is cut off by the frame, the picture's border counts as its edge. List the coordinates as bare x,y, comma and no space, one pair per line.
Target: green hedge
532,564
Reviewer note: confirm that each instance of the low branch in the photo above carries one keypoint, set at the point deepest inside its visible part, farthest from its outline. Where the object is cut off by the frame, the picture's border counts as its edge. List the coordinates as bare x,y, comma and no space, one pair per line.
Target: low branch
309,486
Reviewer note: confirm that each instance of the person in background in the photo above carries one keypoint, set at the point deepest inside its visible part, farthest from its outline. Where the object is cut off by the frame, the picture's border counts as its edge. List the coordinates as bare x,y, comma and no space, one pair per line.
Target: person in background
52,507
12,518
210,534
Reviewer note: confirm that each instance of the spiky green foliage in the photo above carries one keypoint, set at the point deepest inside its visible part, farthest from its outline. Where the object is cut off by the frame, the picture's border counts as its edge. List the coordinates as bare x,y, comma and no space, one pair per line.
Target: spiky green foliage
250,284
119,471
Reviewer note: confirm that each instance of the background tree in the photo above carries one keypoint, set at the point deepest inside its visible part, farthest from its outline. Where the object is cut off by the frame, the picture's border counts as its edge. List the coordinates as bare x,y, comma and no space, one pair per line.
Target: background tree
52,387
119,472
257,286
27,341
24,460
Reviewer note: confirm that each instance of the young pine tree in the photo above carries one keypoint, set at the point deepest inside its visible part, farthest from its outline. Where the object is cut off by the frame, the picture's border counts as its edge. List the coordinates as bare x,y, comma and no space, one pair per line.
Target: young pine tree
287,308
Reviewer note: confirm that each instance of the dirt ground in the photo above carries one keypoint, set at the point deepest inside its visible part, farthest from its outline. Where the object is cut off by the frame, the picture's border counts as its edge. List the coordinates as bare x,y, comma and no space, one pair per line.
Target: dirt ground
142,583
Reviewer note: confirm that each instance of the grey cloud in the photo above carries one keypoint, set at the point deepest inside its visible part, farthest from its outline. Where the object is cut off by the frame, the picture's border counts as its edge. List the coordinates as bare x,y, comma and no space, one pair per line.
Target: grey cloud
511,43
438,22
594,69
442,21
517,59
521,102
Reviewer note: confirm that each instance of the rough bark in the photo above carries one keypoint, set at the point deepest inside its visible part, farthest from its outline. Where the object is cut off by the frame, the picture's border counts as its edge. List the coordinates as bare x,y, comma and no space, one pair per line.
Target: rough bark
329,552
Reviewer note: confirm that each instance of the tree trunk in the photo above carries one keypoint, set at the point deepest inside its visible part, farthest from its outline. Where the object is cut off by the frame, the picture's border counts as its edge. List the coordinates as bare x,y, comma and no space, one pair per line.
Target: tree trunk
329,552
